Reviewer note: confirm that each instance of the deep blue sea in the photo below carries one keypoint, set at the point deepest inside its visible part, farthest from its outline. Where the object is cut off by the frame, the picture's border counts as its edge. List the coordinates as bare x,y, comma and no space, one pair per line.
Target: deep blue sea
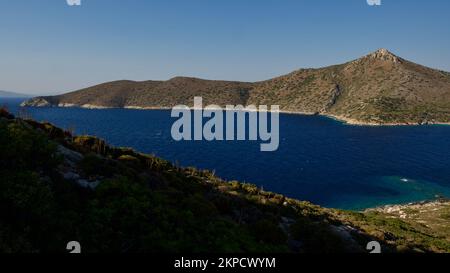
319,159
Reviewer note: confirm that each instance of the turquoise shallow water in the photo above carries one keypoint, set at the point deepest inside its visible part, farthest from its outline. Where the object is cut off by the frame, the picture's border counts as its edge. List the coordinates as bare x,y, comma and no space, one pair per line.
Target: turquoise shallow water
403,190
319,159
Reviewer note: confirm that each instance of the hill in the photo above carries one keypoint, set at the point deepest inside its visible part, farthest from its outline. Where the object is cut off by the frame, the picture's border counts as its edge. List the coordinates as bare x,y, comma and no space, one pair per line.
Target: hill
150,94
57,187
380,88
6,94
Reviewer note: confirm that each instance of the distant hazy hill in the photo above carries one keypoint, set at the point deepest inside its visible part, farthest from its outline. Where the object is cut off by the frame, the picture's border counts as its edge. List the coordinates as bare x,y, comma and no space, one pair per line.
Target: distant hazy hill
5,94
379,88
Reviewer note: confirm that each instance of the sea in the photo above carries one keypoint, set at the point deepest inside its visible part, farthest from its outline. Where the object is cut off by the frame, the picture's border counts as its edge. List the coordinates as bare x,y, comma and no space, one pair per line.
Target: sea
319,159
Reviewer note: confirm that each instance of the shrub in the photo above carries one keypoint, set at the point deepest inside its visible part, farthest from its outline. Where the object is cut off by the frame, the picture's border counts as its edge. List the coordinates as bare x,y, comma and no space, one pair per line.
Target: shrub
268,232
317,237
93,164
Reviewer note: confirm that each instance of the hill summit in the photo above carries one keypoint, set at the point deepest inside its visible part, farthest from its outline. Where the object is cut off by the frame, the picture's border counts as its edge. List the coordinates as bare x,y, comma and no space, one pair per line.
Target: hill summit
384,54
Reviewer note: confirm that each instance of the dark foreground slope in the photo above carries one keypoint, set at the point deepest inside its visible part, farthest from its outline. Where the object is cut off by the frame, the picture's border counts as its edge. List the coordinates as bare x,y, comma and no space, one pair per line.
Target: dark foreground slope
380,88
56,188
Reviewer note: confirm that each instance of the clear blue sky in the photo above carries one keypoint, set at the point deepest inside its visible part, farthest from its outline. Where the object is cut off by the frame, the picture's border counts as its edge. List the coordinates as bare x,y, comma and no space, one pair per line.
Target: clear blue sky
49,47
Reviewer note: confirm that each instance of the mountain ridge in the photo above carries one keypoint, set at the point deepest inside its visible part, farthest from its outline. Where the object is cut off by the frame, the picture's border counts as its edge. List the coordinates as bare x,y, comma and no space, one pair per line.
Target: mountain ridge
379,88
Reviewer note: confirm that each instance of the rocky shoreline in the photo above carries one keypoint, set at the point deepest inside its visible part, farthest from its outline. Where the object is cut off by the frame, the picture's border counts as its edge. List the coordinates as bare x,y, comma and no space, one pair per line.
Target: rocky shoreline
356,122
40,102
405,211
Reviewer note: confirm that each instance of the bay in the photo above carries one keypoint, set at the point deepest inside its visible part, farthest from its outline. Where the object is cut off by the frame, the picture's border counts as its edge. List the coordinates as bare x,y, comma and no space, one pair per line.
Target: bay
319,159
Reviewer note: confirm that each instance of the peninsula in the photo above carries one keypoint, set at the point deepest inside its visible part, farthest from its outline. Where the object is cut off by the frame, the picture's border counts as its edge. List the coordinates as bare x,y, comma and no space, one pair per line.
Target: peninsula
377,89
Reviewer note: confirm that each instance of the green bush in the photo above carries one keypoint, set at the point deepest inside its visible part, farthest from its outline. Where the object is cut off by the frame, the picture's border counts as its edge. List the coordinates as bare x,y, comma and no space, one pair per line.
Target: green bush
93,164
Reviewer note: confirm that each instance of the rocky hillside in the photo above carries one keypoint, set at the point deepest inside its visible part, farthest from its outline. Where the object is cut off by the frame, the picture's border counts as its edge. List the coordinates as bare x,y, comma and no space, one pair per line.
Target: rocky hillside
56,187
150,94
379,88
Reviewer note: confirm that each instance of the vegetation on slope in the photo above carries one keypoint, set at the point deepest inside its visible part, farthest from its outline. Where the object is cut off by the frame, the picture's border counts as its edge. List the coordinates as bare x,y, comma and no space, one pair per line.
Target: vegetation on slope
56,188
148,94
379,88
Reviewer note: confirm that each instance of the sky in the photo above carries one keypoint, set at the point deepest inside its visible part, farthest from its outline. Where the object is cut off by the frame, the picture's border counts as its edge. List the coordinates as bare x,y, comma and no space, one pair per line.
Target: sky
49,47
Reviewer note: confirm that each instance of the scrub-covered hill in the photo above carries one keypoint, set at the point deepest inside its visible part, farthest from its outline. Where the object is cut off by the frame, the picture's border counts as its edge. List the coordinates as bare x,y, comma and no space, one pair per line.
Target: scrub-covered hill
380,88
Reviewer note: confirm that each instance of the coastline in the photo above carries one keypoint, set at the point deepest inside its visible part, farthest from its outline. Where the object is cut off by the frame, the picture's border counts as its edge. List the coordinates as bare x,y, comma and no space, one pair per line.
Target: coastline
429,202
356,122
404,211
339,118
